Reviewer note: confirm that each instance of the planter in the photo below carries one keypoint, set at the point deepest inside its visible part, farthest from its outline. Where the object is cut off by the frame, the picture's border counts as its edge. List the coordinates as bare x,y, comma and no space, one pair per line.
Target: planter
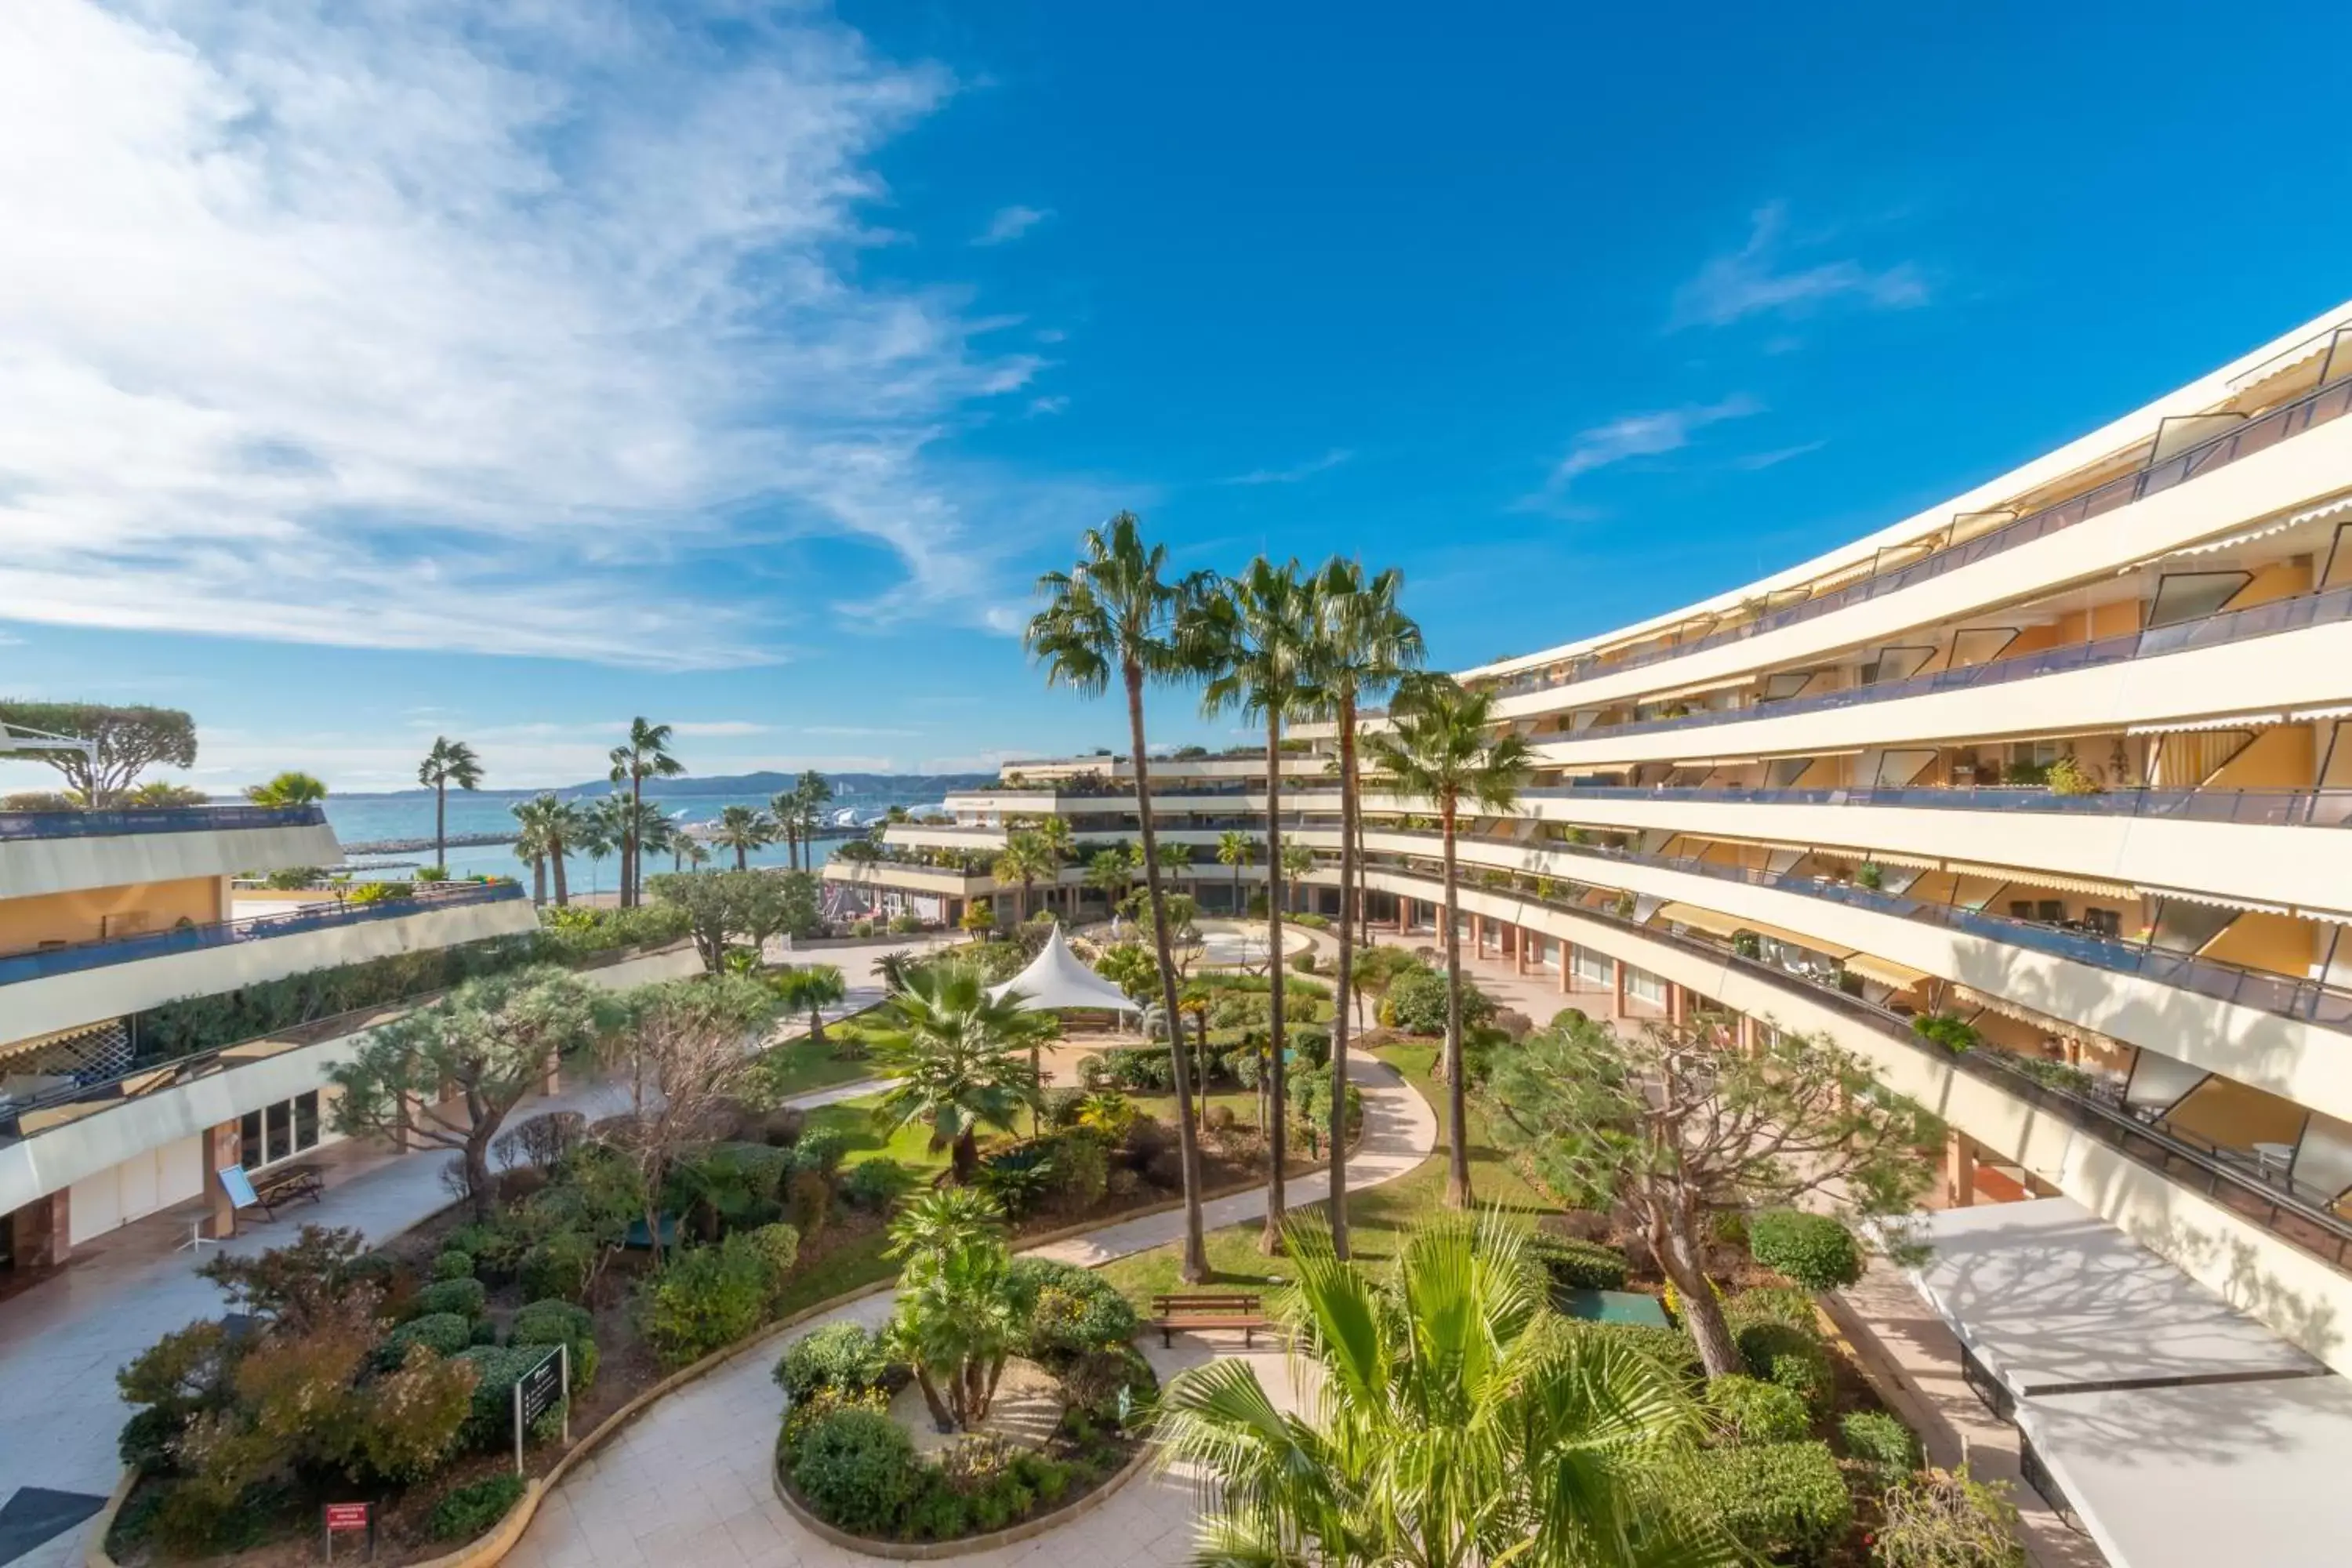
933,1551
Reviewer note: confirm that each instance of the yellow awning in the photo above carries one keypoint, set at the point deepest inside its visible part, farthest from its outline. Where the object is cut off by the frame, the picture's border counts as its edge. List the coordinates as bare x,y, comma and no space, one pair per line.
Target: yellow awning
1886,971
1720,924
1699,918
2095,887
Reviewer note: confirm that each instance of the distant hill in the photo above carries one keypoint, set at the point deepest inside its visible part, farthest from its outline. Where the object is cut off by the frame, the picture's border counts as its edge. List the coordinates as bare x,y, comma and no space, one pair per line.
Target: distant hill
847,788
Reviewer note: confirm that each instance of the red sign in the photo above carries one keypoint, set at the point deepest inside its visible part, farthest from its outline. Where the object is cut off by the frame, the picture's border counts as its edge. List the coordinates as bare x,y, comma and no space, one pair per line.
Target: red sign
347,1516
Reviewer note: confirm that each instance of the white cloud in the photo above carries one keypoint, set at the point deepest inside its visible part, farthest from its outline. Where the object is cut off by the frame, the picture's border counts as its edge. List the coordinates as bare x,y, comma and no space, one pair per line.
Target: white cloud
719,727
1291,476
475,327
1649,435
1010,223
1775,458
1754,279
855,730
1039,407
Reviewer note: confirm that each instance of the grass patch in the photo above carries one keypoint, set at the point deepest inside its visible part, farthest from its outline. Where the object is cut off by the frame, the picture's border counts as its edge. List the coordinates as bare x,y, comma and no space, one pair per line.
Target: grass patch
866,1138
803,1066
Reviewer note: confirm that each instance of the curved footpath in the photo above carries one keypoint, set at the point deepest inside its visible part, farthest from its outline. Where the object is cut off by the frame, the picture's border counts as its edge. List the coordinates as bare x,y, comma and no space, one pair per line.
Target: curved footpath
688,1482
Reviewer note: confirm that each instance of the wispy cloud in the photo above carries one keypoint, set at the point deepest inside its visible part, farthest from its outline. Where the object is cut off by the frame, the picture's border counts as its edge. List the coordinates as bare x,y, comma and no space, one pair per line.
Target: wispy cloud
1757,279
721,727
1631,435
864,729
1778,455
488,330
1291,476
1041,407
1010,223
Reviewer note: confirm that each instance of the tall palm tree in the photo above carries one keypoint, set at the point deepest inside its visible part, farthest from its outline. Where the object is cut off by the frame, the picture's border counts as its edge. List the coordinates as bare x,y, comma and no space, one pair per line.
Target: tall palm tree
536,838
686,849
1055,833
645,754
591,834
1118,615
1360,644
784,811
810,988
1455,1425
1258,626
448,763
811,792
743,829
1111,873
1236,848
1297,859
958,1059
1175,860
1023,860
289,788
1444,747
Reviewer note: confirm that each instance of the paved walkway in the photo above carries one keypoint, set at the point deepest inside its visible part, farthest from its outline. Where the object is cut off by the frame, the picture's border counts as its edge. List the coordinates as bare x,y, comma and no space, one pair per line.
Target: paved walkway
62,1340
688,1482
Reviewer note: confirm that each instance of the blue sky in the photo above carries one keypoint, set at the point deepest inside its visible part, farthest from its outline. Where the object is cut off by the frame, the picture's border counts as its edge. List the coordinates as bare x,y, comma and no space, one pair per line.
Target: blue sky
371,372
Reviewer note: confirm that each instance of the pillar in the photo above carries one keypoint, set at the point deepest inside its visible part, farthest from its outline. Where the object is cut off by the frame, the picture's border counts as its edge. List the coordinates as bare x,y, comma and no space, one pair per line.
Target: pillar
1566,968
1746,1036
552,1083
225,1146
1677,1004
44,1231
1616,987
1519,948
1959,1169
1479,935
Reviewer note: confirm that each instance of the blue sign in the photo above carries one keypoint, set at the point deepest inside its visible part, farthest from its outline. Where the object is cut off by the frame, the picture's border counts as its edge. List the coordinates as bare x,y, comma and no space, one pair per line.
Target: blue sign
239,1185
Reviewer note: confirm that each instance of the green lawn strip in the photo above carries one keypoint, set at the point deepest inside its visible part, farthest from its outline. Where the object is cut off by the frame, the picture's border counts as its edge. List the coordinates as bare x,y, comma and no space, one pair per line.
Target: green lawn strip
1377,1217
865,1138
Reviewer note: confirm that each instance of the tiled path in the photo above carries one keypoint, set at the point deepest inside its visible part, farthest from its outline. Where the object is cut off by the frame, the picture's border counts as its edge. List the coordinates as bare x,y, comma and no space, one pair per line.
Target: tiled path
62,1339
689,1482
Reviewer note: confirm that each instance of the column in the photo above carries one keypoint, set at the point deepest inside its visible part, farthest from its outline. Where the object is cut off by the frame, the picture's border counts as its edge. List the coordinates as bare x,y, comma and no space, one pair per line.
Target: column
1519,948
1479,935
1959,1169
1565,949
224,1146
1746,1036
1616,987
553,1082
1677,1004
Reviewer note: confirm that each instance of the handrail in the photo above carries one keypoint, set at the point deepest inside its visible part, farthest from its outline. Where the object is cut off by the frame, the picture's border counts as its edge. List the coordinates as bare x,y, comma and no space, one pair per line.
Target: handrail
155,819
2181,637
106,951
2163,1150
2314,408
2267,807
2286,996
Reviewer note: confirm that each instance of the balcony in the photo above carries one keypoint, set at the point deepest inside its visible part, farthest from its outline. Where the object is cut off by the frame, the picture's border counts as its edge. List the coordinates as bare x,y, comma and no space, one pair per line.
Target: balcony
44,852
2259,435
171,819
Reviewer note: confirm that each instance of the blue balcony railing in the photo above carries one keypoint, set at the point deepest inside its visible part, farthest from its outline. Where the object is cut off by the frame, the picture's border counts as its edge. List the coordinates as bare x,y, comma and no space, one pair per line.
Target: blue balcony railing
2257,435
2260,807
157,819
86,955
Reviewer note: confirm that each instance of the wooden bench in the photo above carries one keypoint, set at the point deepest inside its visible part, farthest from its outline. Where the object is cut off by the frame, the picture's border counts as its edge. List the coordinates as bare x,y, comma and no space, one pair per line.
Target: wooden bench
1205,1309
274,1189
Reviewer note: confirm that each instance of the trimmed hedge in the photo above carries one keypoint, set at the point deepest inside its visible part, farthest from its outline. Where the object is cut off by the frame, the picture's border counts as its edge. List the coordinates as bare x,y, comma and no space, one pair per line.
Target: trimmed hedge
839,1355
1879,1439
1068,1309
857,1468
490,1423
1812,1249
553,1322
1578,1265
471,1509
443,1333
1784,1502
1671,1349
705,1298
454,1264
1754,1412
1792,1358
468,1299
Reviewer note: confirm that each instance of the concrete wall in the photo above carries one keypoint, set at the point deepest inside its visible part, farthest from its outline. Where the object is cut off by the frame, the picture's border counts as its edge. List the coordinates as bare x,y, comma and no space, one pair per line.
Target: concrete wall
33,866
127,908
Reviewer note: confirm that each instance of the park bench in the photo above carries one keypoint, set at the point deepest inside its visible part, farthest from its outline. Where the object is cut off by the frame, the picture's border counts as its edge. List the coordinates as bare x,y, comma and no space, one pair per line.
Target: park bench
1196,1311
272,1189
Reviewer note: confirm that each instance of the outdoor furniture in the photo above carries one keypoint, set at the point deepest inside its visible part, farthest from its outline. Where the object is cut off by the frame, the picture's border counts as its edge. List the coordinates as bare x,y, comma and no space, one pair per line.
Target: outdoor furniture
2275,1158
1197,1310
273,1190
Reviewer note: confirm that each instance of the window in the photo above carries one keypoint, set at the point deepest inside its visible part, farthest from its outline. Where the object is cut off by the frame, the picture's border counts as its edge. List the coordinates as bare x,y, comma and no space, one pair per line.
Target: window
279,1120
278,1132
2106,923
249,1145
306,1120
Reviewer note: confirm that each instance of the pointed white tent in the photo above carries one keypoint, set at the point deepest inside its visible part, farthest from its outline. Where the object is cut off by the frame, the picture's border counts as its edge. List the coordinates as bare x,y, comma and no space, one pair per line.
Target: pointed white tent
1056,979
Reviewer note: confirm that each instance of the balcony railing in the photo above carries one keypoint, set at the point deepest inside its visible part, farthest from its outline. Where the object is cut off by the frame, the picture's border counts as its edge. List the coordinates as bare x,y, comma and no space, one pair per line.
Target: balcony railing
159,819
2286,996
79,957
2302,1220
2257,435
2181,637
2259,808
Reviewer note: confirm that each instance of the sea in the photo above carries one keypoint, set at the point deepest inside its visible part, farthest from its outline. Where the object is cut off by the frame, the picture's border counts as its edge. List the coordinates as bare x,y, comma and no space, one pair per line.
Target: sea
374,818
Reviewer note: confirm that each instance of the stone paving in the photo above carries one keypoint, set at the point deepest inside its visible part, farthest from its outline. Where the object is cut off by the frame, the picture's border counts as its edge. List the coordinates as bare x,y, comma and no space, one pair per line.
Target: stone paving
689,1482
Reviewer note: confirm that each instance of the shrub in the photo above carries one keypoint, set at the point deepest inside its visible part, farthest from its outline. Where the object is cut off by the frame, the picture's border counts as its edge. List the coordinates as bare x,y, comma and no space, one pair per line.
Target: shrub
471,1509
1785,1501
1880,1440
553,1322
466,1298
1082,1165
875,1184
808,1200
557,1267
483,1332
1019,1177
1773,1304
489,1424
1313,1045
1814,1250
1753,1412
1947,1519
1578,1265
496,1249
1068,1309
1954,1034
1671,1349
820,1149
1092,1383
839,1355
1303,961
1791,1358
777,1247
856,1470
781,1128
147,1439
1416,1004
443,1333
705,1298
453,1265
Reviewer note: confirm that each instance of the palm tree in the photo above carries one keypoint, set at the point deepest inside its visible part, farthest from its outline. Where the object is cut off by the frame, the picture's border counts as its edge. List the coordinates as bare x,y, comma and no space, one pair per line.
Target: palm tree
784,811
1175,860
645,754
591,834
958,1057
811,989
1111,872
810,793
1457,1423
1023,860
1258,624
1236,848
289,788
1444,747
1297,859
1116,613
535,840
1062,844
1360,645
743,829
686,849
448,763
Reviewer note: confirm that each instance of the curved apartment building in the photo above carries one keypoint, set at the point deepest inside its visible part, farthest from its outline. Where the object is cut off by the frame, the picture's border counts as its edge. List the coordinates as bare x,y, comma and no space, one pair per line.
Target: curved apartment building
2067,759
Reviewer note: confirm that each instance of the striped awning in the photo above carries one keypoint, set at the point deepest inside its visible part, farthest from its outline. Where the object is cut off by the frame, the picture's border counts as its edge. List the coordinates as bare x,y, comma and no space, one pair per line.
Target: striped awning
2222,722
1720,924
1886,971
2226,542
2219,901
2094,887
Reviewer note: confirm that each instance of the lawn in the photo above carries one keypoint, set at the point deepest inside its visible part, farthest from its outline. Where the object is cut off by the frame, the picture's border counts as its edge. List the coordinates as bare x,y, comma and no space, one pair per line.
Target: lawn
1376,1217
802,1066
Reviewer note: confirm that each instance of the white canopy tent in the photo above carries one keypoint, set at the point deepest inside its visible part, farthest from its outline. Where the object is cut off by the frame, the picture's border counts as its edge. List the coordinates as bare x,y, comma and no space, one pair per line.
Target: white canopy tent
1055,979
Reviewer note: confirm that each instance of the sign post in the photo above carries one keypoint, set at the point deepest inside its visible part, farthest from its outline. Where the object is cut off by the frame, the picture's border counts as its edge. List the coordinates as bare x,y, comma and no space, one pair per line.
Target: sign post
348,1516
540,1390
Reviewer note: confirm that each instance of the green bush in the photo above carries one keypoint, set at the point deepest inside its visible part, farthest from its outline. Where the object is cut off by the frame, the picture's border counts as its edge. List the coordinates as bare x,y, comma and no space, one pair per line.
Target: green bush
1753,1412
820,1149
556,1323
704,1300
443,1333
839,1355
557,1267
453,1265
1082,1166
496,1249
1814,1250
1578,1265
1671,1349
777,1247
483,1332
1784,1502
490,1422
1949,1520
147,1439
471,1509
856,1470
1313,1045
1416,1004
1791,1357
1957,1036
467,1298
1773,1304
875,1185
1880,1440
1068,1309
